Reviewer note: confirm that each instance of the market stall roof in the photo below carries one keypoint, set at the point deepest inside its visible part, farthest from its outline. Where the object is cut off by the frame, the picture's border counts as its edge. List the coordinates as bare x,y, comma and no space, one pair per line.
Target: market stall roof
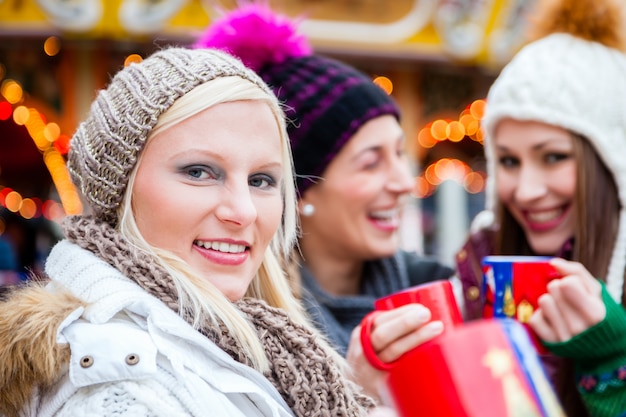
477,32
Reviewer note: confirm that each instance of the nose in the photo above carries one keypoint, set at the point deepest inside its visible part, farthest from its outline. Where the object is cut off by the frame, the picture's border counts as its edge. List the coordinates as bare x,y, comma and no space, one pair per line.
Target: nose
400,178
236,206
531,184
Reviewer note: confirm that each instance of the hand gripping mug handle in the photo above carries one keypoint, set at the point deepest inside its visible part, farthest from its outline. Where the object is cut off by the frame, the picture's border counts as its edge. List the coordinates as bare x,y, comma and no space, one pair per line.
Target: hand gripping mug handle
366,342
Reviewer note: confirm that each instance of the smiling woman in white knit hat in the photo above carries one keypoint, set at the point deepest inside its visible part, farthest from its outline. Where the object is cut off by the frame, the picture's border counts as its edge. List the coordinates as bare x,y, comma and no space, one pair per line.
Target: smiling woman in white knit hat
167,298
555,126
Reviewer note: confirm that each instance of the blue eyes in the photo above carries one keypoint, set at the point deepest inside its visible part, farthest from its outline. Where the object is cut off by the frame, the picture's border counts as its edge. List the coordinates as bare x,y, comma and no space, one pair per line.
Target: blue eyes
203,172
200,173
262,181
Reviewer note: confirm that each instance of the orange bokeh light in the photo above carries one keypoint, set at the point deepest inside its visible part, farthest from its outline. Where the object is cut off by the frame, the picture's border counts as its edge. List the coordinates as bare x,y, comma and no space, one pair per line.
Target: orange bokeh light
51,132
455,131
431,176
12,91
474,183
425,139
21,115
477,109
28,208
384,83
52,46
13,201
132,59
438,129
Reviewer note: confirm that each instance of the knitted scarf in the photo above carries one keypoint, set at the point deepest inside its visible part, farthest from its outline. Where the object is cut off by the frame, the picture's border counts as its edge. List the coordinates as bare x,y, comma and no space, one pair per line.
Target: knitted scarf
301,370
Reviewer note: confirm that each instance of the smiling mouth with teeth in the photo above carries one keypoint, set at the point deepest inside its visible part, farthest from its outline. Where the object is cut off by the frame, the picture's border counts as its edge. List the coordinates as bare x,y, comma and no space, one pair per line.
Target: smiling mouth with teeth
221,246
384,214
544,216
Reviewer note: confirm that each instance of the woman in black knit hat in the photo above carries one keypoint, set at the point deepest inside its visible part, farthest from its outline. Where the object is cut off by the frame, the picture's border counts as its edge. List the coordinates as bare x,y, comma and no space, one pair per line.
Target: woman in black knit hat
353,180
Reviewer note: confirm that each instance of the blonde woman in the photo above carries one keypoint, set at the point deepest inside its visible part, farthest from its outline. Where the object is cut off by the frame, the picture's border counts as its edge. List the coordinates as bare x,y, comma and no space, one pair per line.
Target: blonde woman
166,297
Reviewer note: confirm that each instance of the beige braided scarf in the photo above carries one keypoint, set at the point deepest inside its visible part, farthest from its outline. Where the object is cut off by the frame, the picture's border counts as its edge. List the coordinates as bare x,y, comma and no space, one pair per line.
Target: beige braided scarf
300,369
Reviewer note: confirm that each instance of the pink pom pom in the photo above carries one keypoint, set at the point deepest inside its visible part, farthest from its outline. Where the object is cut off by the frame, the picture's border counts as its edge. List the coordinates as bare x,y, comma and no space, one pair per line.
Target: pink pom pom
257,35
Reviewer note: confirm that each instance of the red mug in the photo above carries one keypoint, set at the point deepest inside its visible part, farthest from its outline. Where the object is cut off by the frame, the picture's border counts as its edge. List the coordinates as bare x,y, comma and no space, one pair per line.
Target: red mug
437,296
513,284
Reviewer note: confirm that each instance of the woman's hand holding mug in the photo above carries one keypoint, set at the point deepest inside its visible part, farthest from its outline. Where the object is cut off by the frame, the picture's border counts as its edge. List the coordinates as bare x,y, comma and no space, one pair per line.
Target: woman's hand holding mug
400,323
571,305
407,319
392,334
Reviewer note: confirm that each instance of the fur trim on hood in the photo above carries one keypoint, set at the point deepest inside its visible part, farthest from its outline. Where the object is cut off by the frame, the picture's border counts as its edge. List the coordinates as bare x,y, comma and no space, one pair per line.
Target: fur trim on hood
29,353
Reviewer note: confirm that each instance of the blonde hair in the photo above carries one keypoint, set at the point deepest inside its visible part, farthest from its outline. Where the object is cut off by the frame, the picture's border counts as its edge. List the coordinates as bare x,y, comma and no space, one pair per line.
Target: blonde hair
195,294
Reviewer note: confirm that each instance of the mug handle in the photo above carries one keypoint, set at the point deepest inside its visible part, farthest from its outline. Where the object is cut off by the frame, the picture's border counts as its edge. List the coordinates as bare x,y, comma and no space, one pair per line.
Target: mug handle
366,342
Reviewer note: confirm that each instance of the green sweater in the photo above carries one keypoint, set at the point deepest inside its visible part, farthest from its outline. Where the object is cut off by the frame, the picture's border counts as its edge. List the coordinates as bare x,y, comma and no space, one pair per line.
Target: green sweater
599,354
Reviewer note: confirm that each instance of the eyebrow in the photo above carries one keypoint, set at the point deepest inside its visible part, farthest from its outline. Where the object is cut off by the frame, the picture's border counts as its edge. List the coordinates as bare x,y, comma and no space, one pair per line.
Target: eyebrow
536,147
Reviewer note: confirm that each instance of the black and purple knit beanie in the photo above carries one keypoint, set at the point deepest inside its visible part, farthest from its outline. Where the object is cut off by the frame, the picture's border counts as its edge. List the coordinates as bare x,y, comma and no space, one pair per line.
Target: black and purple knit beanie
326,101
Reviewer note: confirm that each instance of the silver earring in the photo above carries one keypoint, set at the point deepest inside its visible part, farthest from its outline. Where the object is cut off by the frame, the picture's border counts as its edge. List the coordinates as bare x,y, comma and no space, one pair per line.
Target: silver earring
308,210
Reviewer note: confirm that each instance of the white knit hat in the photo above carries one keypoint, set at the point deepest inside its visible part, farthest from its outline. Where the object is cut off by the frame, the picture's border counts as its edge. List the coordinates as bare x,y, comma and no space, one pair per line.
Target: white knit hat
579,85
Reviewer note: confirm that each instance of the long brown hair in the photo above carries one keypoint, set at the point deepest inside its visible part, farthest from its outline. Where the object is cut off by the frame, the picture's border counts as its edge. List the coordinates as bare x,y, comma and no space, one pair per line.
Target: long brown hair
597,214
598,208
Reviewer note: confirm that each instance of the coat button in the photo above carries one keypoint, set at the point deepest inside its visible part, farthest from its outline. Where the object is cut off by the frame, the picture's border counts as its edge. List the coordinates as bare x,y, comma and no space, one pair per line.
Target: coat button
472,293
462,255
132,359
86,361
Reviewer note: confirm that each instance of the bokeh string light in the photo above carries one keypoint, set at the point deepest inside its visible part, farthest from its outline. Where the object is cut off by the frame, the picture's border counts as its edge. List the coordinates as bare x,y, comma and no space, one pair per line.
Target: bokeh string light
50,141
467,125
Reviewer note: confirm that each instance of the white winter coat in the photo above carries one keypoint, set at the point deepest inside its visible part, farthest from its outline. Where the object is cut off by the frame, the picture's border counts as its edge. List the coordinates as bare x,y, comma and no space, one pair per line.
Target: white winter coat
133,356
